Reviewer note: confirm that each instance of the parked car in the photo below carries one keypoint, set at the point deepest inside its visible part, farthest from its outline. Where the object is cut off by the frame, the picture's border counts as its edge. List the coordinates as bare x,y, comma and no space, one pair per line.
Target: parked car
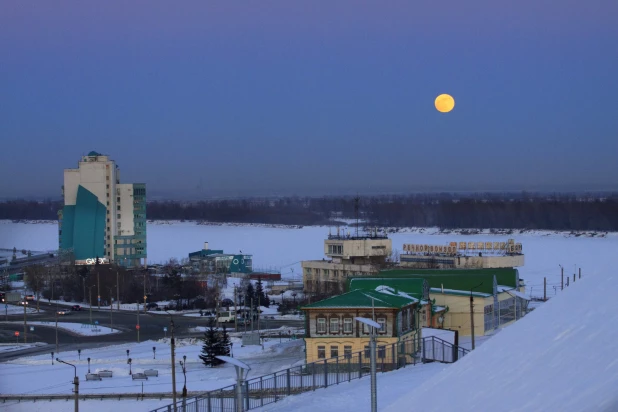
152,305
76,307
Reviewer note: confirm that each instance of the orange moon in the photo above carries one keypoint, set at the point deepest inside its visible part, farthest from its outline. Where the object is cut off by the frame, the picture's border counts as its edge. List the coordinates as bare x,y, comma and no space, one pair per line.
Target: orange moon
445,103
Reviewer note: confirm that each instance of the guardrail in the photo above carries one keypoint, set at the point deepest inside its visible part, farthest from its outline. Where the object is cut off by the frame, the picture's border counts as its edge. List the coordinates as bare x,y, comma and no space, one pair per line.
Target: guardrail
266,389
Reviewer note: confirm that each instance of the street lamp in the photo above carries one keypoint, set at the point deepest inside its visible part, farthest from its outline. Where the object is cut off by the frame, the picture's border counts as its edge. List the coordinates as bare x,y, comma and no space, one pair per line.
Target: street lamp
372,354
90,298
242,370
75,382
111,309
88,364
472,311
129,361
52,356
153,352
183,364
128,354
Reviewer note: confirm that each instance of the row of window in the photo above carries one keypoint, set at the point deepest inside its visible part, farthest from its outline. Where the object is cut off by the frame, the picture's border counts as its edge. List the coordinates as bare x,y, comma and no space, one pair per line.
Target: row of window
334,324
318,272
347,352
335,249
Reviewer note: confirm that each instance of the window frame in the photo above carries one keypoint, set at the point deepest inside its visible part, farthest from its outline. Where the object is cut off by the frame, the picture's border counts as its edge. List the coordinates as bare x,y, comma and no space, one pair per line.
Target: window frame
382,321
334,320
348,322
321,350
334,351
320,321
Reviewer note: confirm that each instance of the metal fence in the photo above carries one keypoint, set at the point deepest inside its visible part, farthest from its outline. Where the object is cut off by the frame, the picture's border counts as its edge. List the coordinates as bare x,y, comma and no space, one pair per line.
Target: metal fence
267,389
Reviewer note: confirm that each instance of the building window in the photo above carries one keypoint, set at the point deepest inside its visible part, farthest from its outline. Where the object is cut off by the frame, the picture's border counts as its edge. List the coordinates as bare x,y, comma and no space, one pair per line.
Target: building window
118,199
317,271
326,272
321,325
381,352
347,325
382,322
108,220
334,351
107,186
308,271
367,352
106,177
334,325
321,352
347,352
118,215
366,329
108,203
118,207
336,273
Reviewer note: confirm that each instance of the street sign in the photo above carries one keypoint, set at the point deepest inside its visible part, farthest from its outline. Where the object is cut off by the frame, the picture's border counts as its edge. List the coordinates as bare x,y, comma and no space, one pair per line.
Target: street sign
137,327
96,322
164,329
6,306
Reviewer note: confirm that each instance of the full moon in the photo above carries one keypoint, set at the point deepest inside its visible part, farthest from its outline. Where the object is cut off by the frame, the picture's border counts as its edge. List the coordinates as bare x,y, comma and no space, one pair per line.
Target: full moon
445,103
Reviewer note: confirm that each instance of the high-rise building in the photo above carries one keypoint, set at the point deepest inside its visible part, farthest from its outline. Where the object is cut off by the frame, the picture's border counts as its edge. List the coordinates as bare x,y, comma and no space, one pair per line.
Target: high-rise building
102,218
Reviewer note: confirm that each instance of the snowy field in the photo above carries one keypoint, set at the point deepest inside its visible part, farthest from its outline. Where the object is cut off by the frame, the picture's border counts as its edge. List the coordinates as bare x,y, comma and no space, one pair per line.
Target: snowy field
8,309
284,248
37,375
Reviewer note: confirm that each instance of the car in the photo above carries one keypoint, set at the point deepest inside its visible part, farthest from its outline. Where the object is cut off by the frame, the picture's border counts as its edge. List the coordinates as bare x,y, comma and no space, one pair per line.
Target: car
63,312
152,305
76,307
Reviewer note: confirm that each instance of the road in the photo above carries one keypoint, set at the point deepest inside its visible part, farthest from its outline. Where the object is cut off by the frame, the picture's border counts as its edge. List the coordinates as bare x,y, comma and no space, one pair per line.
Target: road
151,327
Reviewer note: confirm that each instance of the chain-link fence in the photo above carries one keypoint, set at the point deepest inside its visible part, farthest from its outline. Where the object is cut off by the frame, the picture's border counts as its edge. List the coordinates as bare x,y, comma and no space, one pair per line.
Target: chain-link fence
263,390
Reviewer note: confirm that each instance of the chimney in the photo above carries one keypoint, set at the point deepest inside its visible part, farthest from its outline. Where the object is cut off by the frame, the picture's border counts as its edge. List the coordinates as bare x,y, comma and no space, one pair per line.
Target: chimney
205,245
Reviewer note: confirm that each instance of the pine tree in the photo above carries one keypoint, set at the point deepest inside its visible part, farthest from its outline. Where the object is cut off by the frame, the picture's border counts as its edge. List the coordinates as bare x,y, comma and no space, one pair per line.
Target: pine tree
226,343
250,294
212,346
259,292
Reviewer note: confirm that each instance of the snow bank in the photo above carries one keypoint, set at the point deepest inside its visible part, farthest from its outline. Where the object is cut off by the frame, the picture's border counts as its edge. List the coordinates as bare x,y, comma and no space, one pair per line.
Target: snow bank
558,358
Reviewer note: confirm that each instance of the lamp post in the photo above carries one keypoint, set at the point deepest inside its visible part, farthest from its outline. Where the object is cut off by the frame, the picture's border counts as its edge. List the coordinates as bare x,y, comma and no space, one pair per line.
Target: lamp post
111,309
75,382
472,312
172,345
25,321
128,351
79,354
372,354
153,352
90,299
52,356
129,361
88,364
183,364
242,370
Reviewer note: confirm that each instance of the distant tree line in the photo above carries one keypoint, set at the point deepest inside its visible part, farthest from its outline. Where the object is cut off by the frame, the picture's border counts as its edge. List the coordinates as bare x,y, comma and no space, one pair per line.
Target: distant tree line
595,212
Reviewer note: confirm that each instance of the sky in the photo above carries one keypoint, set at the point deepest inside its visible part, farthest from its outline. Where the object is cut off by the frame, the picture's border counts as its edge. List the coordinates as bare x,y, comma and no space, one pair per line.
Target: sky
204,98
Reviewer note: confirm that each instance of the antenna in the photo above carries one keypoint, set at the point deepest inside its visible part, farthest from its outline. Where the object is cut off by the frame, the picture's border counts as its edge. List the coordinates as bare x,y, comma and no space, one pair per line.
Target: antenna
356,202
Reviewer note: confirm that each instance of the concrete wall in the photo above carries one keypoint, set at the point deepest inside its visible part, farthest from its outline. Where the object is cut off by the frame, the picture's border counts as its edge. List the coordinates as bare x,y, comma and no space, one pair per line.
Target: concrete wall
125,193
360,247
466,262
331,273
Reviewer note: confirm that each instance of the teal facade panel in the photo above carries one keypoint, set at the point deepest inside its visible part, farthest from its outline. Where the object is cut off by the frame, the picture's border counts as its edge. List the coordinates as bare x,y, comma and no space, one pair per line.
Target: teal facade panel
88,225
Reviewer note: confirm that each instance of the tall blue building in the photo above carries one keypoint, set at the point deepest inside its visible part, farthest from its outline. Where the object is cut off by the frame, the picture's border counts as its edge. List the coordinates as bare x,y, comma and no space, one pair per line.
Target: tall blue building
101,217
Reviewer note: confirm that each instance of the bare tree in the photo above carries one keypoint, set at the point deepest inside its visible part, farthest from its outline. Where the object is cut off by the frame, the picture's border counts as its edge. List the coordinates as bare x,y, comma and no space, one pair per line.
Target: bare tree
35,280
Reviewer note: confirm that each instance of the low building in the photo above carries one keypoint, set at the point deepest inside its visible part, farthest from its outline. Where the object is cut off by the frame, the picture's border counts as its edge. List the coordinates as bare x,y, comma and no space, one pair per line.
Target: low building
332,331
346,256
498,296
463,255
212,261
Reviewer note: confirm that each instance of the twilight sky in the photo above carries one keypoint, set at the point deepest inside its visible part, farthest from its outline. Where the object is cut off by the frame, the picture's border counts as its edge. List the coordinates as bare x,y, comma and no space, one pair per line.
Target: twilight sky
201,98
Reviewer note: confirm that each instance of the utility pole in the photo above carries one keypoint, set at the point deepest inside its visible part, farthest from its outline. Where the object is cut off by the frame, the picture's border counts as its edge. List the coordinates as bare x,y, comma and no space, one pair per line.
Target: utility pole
117,291
137,322
472,313
144,292
251,311
25,321
561,278
173,363
580,273
545,289
235,312
98,291
111,309
57,351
